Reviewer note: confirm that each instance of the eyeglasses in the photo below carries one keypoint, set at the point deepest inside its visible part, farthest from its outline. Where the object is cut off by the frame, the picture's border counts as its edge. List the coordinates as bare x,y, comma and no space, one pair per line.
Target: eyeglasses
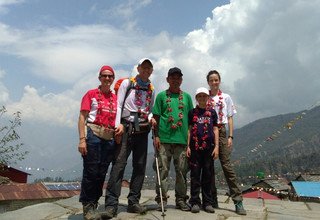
106,76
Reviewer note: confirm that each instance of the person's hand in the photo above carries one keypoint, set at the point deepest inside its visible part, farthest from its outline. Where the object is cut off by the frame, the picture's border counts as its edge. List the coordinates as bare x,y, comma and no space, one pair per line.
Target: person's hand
215,153
119,130
230,142
188,152
118,133
153,122
157,143
82,148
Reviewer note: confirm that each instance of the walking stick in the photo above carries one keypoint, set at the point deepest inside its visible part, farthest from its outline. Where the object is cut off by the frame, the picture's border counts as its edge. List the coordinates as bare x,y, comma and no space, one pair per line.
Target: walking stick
158,172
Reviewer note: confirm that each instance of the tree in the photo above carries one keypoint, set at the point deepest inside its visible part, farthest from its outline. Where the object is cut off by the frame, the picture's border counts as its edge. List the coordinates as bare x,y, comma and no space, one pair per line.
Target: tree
50,179
10,146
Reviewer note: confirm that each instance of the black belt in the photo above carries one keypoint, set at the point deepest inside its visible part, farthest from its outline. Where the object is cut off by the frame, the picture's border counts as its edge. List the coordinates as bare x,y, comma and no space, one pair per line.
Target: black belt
131,126
135,122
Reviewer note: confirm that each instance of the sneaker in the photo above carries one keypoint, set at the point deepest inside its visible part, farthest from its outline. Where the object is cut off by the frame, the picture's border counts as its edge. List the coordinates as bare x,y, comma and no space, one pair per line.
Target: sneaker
164,206
195,208
109,213
239,209
137,208
182,205
90,211
209,209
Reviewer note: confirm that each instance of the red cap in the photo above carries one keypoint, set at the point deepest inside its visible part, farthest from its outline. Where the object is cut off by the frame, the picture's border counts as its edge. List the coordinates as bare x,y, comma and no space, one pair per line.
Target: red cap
106,68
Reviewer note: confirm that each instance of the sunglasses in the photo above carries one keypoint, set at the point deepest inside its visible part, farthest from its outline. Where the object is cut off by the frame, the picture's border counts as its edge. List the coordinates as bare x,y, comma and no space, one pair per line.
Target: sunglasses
106,76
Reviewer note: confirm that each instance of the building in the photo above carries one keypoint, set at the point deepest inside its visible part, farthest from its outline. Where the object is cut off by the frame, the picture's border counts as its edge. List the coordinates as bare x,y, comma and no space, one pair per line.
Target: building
308,191
258,194
13,174
275,187
308,177
18,195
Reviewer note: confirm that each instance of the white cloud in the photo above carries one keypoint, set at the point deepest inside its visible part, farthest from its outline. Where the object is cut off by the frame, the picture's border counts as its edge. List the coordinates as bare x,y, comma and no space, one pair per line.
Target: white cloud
9,2
266,51
5,3
127,10
57,109
126,13
8,36
66,55
4,93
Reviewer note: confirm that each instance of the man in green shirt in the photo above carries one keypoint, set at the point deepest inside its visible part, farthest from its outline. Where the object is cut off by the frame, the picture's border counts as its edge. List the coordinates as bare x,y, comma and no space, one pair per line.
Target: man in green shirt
171,113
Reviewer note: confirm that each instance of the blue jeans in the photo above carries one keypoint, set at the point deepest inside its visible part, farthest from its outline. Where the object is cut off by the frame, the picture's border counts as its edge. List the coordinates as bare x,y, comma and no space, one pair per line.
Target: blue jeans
95,166
138,144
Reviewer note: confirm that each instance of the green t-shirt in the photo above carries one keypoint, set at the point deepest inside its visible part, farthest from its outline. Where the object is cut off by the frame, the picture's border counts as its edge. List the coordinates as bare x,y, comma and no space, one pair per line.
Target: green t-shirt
166,133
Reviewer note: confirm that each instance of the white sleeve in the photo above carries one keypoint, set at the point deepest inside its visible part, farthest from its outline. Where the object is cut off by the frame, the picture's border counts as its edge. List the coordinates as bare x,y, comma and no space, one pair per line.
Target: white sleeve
120,97
151,105
231,110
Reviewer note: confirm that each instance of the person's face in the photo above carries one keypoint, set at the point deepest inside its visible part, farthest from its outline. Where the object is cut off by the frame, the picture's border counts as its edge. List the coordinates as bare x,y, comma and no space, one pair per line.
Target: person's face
145,70
214,81
202,98
106,78
175,80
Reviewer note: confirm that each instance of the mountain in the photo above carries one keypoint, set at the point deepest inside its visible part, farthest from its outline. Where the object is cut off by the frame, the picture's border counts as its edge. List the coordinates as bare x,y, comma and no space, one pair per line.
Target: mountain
282,144
52,151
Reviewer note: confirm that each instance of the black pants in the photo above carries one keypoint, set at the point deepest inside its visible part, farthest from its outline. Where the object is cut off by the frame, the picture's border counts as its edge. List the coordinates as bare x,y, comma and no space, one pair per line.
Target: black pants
138,145
201,166
95,166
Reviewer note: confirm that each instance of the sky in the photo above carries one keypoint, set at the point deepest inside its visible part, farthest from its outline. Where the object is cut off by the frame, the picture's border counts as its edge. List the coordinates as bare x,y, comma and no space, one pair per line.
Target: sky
267,52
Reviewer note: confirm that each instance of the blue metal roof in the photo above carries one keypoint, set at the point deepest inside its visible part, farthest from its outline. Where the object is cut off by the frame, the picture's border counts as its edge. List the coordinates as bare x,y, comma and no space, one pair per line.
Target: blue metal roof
62,186
306,188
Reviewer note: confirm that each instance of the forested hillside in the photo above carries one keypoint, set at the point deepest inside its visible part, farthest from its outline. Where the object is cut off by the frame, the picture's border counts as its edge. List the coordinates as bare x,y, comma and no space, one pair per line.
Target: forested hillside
278,145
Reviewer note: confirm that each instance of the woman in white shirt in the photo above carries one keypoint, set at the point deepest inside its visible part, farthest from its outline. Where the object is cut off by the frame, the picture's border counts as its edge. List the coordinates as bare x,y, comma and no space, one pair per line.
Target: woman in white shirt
225,109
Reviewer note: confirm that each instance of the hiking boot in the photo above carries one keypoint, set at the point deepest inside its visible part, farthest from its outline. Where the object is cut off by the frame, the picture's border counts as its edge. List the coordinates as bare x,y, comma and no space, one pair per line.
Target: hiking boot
90,211
109,212
164,206
239,208
182,205
209,209
215,203
195,208
137,208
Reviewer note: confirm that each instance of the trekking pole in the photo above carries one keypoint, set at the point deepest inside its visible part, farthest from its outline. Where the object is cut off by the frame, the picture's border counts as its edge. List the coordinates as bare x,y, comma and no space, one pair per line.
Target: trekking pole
158,173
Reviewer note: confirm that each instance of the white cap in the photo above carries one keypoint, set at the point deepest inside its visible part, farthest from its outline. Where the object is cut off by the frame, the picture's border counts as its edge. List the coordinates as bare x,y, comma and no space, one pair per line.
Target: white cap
144,59
202,90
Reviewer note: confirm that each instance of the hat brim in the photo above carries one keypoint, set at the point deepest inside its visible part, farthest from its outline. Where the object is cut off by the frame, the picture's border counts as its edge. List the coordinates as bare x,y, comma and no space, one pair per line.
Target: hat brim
145,60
